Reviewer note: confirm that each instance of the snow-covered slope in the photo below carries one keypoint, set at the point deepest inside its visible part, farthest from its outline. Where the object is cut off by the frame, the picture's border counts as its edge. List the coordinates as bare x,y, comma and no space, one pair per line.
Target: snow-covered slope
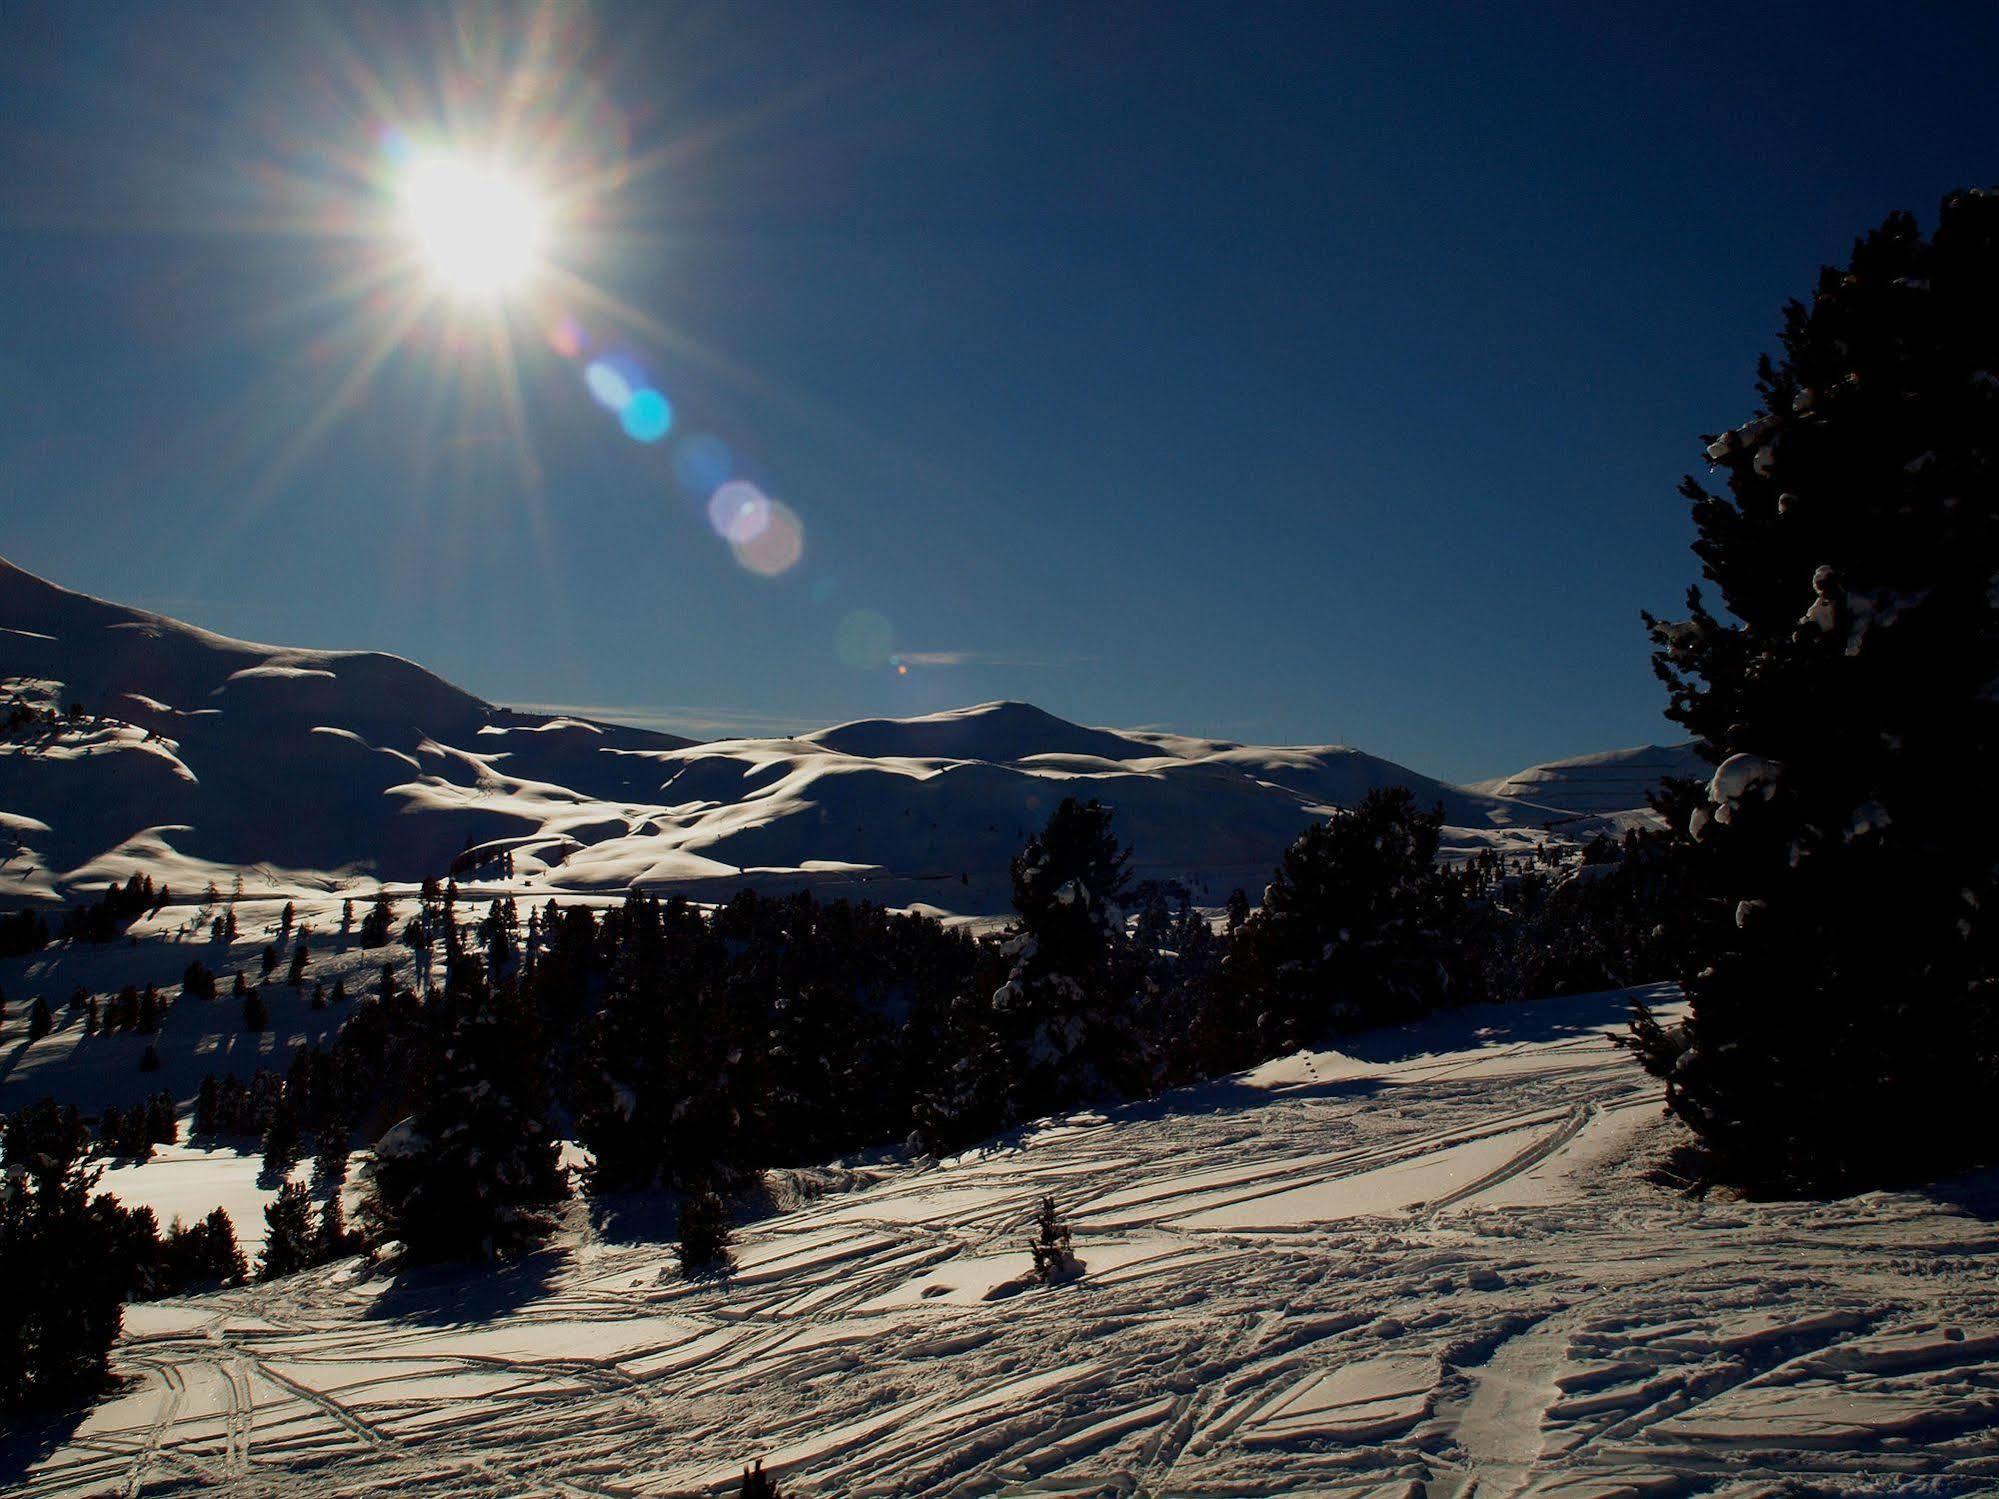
201,753
1425,1265
1602,784
317,770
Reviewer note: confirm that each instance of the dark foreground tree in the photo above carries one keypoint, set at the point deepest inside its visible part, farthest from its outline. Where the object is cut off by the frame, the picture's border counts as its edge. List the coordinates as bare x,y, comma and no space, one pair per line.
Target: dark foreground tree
62,1264
1841,961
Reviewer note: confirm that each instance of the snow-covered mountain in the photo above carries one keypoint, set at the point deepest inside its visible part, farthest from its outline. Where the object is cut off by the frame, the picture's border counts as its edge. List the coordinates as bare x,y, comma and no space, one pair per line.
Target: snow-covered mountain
1601,784
199,756
199,752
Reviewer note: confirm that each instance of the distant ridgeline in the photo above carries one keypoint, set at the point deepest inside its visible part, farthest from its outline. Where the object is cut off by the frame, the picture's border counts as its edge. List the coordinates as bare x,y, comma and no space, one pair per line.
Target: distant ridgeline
129,741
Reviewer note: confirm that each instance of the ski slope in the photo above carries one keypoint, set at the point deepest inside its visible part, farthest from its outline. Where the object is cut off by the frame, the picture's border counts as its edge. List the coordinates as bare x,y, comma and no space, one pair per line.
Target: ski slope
1428,1264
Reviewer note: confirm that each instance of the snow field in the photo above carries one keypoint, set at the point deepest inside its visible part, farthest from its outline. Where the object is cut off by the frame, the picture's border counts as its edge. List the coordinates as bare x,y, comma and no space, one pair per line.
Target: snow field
1427,1264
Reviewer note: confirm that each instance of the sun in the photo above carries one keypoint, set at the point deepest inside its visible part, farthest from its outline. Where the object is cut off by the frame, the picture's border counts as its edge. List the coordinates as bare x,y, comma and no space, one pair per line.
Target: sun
478,228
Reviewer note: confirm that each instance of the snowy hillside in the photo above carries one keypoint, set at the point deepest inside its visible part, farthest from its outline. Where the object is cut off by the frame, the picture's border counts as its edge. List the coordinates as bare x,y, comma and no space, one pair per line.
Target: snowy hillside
1602,784
199,756
1426,1265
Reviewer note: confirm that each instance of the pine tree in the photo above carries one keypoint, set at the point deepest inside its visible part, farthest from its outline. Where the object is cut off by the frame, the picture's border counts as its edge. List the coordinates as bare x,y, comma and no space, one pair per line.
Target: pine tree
291,1240
329,1157
379,922
759,1485
473,1172
162,1122
334,1241
295,975
40,1022
704,1233
281,1140
202,1256
1347,935
1841,962
256,1015
1054,1260
197,982
61,1261
1064,1010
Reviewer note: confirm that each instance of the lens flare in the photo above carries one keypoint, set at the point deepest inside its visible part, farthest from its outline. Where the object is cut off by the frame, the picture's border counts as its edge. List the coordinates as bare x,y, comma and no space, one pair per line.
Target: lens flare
566,336
776,548
477,227
702,464
610,386
863,640
646,416
739,512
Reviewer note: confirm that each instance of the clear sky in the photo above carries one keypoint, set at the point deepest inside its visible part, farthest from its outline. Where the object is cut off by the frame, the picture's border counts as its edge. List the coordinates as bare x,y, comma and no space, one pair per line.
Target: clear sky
1281,372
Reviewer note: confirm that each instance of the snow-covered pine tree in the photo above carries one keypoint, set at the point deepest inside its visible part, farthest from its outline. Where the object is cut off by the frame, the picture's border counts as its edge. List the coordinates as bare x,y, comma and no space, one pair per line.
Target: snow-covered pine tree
1346,935
1065,1006
1841,967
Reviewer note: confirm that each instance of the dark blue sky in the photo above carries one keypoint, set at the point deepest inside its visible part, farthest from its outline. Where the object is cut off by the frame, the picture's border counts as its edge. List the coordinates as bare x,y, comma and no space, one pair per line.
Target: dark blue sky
1278,372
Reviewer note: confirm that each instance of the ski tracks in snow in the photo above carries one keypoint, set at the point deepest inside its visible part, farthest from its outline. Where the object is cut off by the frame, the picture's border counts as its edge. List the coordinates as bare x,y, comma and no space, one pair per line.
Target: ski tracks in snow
1433,1273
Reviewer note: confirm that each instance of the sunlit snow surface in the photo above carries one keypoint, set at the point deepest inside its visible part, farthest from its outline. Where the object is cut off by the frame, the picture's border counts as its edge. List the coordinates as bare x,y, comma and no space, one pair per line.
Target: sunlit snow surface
202,758
1424,1265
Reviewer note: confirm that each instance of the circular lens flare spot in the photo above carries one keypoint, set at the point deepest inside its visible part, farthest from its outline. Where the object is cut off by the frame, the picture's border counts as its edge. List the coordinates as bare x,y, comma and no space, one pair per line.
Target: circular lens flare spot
776,548
610,386
646,416
566,336
863,640
478,228
702,464
739,512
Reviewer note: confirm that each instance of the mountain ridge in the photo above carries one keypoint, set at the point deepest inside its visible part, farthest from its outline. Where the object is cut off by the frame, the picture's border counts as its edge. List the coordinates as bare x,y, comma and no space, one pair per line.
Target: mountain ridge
200,755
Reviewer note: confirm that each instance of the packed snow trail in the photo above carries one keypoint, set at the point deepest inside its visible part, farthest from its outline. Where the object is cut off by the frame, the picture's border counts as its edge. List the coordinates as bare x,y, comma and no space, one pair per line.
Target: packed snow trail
1428,1265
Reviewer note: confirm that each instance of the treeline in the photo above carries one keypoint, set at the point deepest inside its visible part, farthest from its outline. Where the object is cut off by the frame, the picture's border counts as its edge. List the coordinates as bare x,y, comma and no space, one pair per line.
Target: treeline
71,1256
690,1049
